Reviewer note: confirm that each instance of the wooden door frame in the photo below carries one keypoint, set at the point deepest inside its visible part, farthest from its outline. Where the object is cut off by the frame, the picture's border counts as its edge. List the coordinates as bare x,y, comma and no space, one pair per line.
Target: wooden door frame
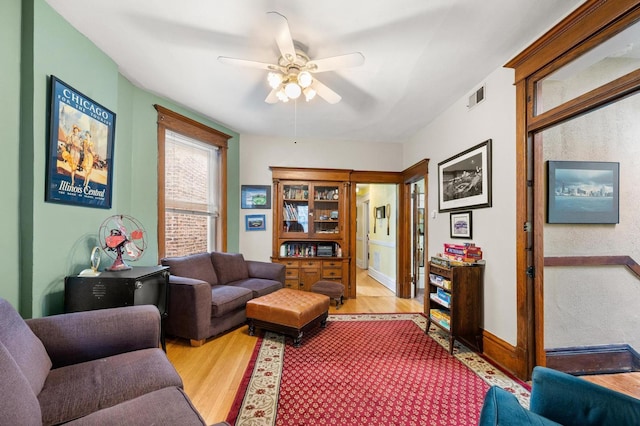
403,181
589,25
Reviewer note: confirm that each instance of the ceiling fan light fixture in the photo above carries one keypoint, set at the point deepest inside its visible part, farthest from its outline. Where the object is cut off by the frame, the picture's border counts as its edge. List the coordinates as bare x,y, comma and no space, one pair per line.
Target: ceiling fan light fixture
309,93
305,79
274,79
282,96
292,90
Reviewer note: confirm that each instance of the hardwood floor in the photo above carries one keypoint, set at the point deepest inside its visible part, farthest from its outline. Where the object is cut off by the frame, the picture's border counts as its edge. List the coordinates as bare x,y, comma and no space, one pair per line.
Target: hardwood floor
212,372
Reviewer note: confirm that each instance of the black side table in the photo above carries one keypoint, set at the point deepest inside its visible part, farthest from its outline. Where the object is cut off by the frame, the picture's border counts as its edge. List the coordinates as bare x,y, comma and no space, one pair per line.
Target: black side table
141,285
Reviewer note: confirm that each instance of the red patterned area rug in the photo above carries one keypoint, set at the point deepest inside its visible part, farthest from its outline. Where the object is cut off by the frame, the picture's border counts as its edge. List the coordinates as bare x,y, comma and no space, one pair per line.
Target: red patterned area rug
367,369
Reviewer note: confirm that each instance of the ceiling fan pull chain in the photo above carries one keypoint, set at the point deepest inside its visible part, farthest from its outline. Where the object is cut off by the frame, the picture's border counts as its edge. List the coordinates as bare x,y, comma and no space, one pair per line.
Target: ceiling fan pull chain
295,121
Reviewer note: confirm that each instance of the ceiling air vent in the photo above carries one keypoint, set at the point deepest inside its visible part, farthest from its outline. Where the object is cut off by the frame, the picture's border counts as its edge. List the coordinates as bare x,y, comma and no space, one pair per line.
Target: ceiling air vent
476,97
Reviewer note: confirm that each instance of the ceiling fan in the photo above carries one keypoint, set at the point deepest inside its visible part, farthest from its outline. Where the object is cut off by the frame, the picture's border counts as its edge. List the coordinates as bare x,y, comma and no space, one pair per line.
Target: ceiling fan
294,73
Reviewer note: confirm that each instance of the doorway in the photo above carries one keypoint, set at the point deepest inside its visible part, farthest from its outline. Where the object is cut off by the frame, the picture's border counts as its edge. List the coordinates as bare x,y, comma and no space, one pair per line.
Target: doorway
418,241
376,233
396,213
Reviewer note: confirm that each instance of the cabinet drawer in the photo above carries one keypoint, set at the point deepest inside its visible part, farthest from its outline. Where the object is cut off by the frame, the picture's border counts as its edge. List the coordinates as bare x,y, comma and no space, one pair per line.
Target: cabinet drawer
331,273
291,274
331,264
290,263
308,264
292,284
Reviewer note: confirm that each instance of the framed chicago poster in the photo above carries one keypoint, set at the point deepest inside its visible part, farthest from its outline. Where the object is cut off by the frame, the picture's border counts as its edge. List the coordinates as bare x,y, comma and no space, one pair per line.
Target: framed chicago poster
80,151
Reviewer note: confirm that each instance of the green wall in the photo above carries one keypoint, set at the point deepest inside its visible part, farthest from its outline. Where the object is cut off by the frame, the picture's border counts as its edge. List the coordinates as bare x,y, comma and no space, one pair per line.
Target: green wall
55,240
9,135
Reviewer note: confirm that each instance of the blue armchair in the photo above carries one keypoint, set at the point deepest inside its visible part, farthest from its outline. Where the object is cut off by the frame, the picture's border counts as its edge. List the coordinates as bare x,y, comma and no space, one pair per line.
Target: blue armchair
560,398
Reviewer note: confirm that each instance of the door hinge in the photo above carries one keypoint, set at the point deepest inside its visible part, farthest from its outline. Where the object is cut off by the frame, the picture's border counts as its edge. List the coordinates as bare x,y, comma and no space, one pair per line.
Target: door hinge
531,272
527,227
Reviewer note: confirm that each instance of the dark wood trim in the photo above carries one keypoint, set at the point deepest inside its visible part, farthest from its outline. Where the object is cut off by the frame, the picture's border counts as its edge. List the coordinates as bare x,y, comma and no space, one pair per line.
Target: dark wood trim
536,284
412,174
588,19
585,28
359,176
306,174
607,359
502,353
178,122
171,120
627,261
524,298
603,95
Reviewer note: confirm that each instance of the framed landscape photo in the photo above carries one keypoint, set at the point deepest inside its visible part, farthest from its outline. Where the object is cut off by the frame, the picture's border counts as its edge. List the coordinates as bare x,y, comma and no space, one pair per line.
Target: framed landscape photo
583,192
80,149
461,226
464,180
255,197
255,222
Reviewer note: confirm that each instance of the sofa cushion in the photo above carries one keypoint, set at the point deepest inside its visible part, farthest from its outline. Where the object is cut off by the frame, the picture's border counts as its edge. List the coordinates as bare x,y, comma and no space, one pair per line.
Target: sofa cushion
168,406
259,286
225,299
18,405
77,390
25,348
196,266
229,267
501,408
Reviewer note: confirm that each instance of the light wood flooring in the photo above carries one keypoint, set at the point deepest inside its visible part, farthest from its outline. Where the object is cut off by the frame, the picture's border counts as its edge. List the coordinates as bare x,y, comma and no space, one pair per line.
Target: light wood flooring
212,372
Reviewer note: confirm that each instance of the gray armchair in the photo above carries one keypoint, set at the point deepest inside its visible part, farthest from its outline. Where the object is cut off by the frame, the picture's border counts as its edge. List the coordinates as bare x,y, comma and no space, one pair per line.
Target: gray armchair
99,367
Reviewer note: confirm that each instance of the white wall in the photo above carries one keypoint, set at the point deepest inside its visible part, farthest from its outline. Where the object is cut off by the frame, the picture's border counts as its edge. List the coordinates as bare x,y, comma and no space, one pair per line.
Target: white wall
454,131
258,153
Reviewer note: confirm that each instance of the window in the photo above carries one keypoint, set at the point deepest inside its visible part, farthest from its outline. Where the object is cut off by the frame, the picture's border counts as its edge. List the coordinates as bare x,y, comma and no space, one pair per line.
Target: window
191,183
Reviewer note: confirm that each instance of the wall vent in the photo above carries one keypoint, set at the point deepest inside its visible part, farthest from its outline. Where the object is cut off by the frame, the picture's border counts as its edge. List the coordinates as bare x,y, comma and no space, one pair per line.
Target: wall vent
476,97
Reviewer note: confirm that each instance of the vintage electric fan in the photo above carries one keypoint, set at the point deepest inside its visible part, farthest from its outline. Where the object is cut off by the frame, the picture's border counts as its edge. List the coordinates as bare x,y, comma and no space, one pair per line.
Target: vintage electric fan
123,238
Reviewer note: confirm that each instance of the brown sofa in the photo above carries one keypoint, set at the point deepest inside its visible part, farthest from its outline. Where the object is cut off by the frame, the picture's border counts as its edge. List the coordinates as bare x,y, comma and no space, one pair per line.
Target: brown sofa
208,292
99,367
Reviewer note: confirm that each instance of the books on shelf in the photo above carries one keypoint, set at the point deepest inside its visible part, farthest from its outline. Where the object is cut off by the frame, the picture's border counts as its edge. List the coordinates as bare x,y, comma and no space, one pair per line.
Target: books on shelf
440,281
441,317
448,261
443,295
438,300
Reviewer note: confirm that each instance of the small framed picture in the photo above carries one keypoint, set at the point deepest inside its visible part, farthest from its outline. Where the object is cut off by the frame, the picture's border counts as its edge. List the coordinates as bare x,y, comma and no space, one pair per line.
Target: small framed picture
255,197
461,225
255,222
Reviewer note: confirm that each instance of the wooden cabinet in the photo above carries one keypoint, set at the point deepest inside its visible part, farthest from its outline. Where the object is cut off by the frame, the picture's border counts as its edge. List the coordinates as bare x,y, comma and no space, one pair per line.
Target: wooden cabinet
311,225
453,303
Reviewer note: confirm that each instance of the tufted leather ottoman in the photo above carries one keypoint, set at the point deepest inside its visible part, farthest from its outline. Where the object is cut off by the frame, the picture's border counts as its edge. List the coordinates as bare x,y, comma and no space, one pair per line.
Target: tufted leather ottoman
288,311
333,289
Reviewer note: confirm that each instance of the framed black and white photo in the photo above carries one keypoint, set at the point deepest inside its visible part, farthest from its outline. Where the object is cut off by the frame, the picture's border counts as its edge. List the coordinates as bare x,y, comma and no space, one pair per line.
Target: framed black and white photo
255,222
461,225
80,151
464,180
583,192
255,197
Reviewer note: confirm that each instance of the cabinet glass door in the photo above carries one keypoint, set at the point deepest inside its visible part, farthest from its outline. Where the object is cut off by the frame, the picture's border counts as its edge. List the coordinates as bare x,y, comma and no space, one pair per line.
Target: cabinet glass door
295,209
326,210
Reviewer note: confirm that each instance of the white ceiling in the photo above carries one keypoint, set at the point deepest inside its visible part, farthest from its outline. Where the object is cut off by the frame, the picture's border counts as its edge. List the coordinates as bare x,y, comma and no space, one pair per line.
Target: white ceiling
421,56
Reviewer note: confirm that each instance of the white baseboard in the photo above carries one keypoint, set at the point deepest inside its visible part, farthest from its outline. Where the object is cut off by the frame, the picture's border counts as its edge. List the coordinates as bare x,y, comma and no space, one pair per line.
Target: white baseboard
388,282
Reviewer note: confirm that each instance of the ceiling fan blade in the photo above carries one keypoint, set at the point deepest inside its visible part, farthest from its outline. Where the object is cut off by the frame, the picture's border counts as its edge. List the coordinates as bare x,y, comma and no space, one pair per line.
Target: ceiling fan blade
272,98
335,62
283,36
250,64
325,93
